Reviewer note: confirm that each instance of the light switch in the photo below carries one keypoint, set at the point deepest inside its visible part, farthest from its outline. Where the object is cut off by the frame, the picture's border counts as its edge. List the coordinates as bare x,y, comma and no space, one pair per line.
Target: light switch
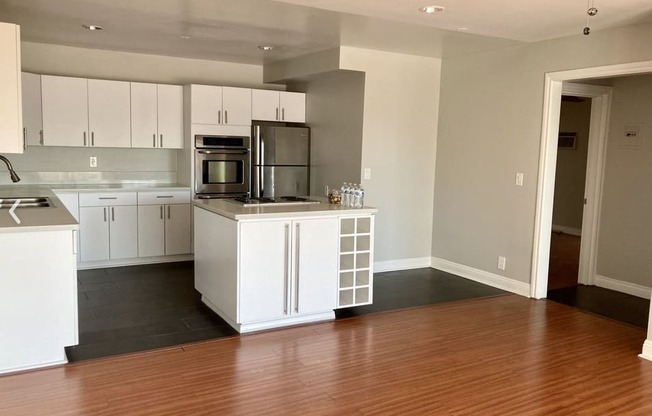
367,173
519,178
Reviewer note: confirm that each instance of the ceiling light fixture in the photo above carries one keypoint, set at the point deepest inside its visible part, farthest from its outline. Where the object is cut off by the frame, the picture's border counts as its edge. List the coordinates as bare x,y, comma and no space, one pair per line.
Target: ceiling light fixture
462,29
93,27
266,48
184,37
590,11
432,9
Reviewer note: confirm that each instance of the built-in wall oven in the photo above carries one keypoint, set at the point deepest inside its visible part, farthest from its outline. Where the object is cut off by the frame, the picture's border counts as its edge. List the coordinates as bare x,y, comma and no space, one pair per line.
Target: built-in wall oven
222,166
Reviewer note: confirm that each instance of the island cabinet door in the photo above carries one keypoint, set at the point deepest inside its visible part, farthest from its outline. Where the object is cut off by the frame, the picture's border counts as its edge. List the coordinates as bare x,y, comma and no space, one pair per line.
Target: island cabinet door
314,265
264,271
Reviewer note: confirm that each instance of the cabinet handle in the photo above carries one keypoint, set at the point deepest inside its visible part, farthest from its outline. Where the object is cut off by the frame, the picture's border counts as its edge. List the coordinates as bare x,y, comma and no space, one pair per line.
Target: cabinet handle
108,197
112,214
161,144
154,140
164,196
286,269
276,113
93,138
219,116
24,138
84,138
226,116
104,209
283,114
161,211
168,212
41,138
296,268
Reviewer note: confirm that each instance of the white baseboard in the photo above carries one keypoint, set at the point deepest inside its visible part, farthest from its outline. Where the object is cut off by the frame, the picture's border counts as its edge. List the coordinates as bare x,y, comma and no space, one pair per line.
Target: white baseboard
133,262
624,287
647,350
402,264
567,230
482,276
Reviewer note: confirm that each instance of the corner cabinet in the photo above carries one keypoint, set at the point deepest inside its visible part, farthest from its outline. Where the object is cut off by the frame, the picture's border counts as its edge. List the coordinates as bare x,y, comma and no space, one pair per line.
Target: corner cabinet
11,124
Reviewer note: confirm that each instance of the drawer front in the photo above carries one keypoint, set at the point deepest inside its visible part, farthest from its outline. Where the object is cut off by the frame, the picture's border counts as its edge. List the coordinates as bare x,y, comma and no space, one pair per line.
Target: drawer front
163,197
105,199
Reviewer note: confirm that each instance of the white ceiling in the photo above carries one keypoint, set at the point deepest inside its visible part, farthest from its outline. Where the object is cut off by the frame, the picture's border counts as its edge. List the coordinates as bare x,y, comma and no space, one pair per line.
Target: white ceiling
230,30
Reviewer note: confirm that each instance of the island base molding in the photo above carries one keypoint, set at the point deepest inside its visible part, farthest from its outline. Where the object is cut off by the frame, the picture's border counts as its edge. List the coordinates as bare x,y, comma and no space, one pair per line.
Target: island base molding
38,366
278,323
647,350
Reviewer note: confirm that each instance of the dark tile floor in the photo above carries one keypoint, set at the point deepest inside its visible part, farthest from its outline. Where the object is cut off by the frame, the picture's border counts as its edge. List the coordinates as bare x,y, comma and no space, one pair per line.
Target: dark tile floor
129,309
604,302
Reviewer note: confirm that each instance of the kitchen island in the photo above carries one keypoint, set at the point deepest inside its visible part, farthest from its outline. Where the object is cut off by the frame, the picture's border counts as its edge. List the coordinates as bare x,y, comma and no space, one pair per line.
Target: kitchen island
271,266
38,279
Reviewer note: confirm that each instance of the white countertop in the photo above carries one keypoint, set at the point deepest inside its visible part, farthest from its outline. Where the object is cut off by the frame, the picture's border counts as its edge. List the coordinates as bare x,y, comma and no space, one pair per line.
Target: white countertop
232,210
55,217
117,187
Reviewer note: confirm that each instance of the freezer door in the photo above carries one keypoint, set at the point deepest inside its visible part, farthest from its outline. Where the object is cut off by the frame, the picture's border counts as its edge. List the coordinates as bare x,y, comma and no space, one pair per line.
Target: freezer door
276,181
283,146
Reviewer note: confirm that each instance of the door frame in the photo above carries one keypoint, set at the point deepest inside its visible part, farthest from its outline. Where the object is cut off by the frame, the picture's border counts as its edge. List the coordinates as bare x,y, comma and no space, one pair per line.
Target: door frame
553,89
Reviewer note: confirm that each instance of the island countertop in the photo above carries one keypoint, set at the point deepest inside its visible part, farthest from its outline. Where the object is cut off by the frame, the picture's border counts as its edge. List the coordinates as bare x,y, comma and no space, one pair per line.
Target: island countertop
54,217
235,211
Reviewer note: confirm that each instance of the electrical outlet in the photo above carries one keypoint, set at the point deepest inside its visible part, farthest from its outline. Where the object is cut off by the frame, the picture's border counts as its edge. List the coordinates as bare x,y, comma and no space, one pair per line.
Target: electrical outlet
367,173
93,161
501,262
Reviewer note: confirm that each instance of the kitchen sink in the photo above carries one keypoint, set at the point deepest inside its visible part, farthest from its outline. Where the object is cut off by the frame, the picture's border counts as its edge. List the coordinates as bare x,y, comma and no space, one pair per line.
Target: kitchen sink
25,202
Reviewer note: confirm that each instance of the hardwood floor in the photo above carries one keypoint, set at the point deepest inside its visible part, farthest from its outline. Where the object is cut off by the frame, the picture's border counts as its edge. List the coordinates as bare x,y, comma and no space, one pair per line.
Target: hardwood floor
504,355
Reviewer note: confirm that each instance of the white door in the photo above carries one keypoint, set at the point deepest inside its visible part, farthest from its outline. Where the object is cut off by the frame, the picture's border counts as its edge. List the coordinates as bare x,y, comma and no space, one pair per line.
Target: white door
65,111
315,251
109,113
32,118
151,230
144,126
170,116
264,271
205,104
177,229
236,103
94,233
123,232
293,106
264,105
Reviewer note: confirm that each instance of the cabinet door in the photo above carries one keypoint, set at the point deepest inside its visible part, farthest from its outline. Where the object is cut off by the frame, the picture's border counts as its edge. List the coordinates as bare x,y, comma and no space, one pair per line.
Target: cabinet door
170,116
264,271
123,232
293,106
94,233
151,230
177,229
315,245
65,111
109,113
11,124
205,104
264,105
32,119
143,115
236,103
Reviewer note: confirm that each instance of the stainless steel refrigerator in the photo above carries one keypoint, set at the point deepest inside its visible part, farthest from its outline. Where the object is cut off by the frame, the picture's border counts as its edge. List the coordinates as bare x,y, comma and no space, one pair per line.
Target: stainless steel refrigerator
280,161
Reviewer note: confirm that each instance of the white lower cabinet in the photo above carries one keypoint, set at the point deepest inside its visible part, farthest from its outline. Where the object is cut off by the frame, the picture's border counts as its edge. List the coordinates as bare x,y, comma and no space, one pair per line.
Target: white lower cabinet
108,226
287,268
163,230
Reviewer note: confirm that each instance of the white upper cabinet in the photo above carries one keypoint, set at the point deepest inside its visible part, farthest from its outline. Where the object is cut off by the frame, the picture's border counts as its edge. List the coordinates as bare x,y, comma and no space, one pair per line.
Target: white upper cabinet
156,116
32,117
278,106
11,123
220,105
109,115
65,111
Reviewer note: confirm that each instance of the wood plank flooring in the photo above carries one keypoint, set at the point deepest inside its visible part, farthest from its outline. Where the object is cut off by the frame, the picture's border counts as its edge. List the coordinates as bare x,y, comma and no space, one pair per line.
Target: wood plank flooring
505,355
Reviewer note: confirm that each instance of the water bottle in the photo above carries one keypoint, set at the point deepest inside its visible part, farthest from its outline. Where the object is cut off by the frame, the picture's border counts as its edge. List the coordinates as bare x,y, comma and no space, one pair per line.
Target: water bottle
361,189
345,194
356,196
349,194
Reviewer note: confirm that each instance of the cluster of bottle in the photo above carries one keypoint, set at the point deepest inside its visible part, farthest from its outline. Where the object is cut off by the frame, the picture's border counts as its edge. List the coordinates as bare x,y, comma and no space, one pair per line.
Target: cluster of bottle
352,195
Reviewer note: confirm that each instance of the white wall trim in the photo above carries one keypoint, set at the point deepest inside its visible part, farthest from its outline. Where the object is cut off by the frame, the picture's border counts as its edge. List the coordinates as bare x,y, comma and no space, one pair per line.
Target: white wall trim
567,230
647,350
401,264
624,287
102,264
482,276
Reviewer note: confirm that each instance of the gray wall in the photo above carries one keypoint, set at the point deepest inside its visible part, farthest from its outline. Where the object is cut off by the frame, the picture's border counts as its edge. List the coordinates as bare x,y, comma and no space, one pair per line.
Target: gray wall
625,239
571,166
335,103
490,128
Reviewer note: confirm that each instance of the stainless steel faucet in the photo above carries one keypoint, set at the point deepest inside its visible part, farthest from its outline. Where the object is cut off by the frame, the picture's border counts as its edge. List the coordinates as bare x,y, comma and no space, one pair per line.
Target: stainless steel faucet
12,172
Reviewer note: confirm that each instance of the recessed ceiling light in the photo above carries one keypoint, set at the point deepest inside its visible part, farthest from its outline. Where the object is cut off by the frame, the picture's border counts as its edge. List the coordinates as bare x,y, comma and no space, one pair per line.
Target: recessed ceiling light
432,9
462,29
184,37
266,48
93,27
